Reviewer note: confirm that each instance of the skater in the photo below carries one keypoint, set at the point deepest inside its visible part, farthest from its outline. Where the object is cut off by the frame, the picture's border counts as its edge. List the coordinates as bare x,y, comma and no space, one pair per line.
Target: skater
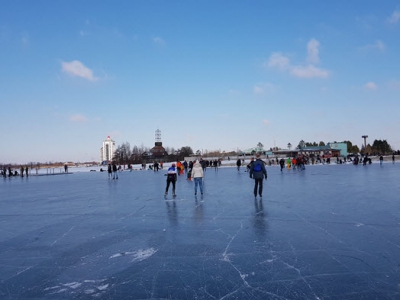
178,167
258,172
238,164
22,171
65,168
393,158
109,170
115,171
282,163
171,177
197,175
203,164
381,159
249,165
288,163
215,163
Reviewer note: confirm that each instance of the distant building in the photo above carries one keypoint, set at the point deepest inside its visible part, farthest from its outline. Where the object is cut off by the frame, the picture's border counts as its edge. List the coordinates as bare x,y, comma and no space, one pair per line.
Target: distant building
340,146
107,151
254,150
329,150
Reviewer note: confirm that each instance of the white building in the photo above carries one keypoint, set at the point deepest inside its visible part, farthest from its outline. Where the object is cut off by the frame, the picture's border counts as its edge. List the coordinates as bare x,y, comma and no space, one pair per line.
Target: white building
108,149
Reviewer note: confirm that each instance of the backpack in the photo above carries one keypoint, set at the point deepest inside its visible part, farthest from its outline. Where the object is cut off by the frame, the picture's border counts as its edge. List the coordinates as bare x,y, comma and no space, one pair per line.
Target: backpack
257,168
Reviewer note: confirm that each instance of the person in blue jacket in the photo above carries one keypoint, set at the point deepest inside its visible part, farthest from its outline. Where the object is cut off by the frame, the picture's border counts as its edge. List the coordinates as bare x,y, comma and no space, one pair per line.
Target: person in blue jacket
258,172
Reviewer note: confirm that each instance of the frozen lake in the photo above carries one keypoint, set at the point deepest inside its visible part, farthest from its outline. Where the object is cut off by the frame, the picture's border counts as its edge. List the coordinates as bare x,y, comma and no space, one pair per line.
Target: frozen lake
329,232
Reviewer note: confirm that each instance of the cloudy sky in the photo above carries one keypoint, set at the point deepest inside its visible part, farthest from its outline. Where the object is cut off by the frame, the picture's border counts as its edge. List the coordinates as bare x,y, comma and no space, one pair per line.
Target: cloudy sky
209,74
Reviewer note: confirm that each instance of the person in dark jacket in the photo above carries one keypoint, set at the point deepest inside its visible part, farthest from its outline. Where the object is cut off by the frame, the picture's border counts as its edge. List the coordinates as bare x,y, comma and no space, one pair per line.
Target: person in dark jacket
171,178
114,169
109,170
249,165
258,172
238,164
282,163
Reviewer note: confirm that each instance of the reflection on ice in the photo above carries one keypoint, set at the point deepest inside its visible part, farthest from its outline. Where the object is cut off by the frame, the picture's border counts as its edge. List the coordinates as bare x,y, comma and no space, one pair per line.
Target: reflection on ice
328,232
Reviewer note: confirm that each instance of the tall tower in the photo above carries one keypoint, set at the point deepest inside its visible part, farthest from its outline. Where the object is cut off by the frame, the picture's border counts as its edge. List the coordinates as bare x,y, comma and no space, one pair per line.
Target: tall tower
365,140
108,149
158,138
158,150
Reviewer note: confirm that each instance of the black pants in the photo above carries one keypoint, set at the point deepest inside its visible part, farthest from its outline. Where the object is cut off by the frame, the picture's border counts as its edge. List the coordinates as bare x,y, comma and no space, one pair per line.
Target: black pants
173,186
258,183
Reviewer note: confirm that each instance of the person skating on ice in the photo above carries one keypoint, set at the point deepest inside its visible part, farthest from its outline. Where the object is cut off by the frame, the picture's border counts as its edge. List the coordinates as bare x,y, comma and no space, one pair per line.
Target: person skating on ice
171,178
258,172
115,171
197,175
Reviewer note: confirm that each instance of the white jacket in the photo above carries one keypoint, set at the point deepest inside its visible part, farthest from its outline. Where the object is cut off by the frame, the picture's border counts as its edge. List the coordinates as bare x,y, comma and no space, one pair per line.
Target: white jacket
197,171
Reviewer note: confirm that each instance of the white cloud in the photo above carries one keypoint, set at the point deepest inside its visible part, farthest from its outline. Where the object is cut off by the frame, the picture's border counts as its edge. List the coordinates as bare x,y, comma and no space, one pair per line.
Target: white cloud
76,68
313,51
159,41
380,45
258,90
281,62
278,60
377,45
308,72
261,89
77,118
371,86
395,17
266,122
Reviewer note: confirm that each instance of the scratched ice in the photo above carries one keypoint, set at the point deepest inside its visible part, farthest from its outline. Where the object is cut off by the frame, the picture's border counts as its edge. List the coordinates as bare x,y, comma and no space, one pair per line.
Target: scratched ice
329,232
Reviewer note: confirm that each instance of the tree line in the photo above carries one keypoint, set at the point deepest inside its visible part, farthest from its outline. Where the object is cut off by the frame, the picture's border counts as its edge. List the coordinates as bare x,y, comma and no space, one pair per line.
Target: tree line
125,154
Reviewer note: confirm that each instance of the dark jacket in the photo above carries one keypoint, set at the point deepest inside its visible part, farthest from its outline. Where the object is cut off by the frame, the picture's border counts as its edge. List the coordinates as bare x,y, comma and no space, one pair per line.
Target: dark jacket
171,174
258,174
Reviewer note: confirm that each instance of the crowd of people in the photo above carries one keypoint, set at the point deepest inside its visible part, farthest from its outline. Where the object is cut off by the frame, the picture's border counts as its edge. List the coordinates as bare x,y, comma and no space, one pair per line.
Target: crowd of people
8,172
256,167
196,169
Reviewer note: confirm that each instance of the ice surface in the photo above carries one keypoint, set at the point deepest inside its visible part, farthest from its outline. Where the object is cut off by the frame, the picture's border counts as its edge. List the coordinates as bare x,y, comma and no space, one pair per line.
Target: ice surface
329,232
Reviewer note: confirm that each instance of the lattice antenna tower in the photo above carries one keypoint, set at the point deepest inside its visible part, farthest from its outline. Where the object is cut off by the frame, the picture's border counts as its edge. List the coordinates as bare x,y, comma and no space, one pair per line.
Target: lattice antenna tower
158,136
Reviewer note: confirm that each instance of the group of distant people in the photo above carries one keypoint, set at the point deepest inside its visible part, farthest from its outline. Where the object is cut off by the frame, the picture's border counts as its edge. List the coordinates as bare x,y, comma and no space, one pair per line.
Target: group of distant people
195,169
8,172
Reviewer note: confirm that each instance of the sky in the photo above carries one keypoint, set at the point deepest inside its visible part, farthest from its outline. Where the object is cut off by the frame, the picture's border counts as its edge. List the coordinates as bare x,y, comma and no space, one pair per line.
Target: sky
212,75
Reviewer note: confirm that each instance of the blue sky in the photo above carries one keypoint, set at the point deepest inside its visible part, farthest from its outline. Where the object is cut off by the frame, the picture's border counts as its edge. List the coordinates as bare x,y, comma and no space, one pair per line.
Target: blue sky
209,74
